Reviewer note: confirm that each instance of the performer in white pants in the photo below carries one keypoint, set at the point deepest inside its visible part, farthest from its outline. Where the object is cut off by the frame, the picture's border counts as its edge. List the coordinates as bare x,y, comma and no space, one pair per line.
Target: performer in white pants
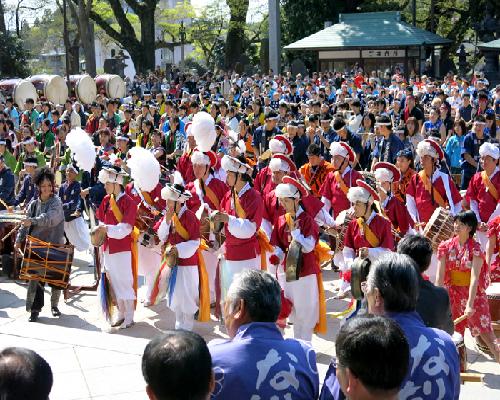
116,216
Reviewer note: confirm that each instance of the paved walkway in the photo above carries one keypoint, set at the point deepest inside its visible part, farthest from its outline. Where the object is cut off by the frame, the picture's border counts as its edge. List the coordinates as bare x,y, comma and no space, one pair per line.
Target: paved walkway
91,364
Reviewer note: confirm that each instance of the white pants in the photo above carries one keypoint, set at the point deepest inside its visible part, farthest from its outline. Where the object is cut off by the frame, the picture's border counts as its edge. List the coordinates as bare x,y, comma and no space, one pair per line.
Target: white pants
185,296
78,234
118,267
126,311
149,263
231,268
303,293
211,261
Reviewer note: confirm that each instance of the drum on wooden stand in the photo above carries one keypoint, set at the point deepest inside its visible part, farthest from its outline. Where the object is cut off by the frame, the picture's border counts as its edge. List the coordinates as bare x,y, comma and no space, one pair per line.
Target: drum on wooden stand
111,86
47,262
83,87
52,87
18,89
440,227
493,296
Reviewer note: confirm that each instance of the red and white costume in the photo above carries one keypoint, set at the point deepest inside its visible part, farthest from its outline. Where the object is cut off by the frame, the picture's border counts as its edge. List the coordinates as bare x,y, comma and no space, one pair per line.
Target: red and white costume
481,200
201,201
356,236
459,259
303,292
263,182
117,247
335,188
185,297
149,257
494,231
419,201
241,249
392,207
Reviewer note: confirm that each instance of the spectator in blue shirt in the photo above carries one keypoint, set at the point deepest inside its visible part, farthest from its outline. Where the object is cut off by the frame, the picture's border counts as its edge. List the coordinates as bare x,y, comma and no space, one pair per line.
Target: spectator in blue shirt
455,144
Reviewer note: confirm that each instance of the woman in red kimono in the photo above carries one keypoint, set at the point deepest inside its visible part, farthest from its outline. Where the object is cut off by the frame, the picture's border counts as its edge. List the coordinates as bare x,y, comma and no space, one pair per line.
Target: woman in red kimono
464,272
391,207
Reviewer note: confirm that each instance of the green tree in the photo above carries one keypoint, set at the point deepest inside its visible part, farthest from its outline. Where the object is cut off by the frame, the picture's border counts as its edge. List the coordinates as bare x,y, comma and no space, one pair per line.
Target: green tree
13,56
235,39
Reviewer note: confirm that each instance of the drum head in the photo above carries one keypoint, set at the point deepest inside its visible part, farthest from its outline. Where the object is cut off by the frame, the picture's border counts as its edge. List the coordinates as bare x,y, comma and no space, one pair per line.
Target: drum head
86,89
457,338
56,90
24,90
493,291
115,87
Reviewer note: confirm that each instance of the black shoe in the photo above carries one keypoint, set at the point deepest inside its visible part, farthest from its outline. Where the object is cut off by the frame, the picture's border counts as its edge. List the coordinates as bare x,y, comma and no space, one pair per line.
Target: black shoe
55,312
118,323
33,316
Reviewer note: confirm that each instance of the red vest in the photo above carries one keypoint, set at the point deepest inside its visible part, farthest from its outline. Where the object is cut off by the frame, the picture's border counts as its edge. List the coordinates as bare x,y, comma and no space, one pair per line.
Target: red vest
332,191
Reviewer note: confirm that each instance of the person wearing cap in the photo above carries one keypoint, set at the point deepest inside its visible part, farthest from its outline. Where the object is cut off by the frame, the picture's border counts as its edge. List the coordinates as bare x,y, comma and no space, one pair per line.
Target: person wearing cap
470,152
483,193
207,191
28,189
337,182
404,163
389,145
116,215
75,227
7,185
29,150
188,284
391,207
45,222
305,294
241,211
368,234
264,134
263,180
122,146
316,170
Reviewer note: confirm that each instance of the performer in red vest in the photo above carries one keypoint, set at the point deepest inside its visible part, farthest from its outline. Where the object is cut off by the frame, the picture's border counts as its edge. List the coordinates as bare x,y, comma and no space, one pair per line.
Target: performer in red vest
241,212
305,288
483,193
117,214
187,284
369,234
263,180
390,206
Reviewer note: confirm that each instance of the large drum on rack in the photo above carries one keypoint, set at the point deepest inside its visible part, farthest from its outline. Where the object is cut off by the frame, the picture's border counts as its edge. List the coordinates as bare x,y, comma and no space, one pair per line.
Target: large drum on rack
52,87
83,87
111,86
18,89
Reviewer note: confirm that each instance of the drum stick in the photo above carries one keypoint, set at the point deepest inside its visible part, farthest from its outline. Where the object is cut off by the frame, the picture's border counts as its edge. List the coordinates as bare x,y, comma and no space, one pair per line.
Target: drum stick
4,204
12,231
459,319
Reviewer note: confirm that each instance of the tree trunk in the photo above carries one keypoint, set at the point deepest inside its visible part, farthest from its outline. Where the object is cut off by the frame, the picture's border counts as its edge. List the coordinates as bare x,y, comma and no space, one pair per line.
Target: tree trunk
236,32
86,29
147,18
3,28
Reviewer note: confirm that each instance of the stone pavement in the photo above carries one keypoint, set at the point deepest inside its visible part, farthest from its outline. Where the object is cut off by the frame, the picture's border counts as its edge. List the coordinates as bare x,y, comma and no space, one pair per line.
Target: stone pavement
89,363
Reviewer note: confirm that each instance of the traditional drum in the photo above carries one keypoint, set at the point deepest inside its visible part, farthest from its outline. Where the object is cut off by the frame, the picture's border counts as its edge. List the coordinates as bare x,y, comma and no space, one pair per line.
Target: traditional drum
493,295
293,261
458,339
97,236
47,262
439,227
18,89
110,85
83,87
337,241
171,256
52,87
